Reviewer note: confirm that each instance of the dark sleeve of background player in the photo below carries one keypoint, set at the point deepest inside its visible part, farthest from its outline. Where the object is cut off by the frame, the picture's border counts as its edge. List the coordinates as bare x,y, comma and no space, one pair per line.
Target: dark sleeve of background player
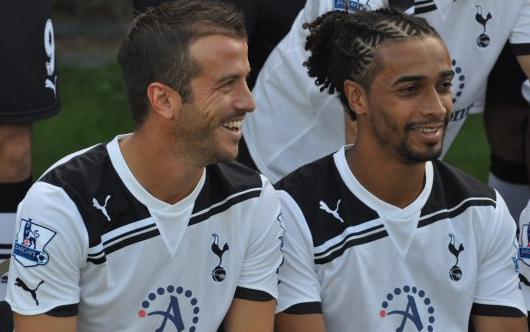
140,6
267,22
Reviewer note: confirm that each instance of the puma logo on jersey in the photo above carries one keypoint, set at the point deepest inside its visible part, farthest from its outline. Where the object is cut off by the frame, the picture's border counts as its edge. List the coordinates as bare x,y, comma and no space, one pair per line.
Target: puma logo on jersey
51,85
102,208
20,283
334,213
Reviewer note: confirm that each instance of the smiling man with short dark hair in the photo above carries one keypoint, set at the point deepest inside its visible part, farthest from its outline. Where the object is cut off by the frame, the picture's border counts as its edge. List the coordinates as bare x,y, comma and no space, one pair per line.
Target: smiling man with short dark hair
159,229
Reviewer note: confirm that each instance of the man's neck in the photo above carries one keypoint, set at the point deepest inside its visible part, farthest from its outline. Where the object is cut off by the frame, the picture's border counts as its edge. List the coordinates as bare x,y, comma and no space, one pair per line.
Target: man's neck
163,172
391,180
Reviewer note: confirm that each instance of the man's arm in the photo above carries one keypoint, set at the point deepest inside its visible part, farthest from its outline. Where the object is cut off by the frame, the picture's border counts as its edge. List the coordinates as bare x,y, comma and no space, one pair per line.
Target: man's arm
252,308
499,324
299,290
44,323
499,304
299,323
43,291
250,316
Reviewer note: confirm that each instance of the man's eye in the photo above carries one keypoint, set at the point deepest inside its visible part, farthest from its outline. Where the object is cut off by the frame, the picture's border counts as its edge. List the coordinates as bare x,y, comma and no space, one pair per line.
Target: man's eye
446,86
409,89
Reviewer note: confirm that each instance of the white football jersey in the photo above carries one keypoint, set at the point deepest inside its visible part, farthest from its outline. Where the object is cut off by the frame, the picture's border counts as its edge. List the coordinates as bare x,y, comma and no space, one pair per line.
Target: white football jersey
371,266
524,253
295,123
90,239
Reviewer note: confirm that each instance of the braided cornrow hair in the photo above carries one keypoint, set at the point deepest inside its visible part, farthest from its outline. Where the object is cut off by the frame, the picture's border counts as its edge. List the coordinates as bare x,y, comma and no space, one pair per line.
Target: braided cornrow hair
343,45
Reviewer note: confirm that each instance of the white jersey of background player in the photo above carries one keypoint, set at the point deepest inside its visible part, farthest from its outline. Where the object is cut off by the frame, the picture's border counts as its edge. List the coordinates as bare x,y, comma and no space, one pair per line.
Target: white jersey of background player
524,253
295,125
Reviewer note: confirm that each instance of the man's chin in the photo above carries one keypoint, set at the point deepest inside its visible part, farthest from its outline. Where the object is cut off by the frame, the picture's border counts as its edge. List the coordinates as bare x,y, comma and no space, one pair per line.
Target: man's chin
414,157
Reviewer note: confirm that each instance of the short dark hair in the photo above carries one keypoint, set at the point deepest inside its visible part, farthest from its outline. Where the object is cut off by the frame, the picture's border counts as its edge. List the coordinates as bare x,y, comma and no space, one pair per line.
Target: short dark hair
343,45
156,47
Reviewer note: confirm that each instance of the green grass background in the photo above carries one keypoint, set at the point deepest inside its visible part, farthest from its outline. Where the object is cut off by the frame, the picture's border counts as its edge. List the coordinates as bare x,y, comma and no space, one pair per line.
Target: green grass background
95,110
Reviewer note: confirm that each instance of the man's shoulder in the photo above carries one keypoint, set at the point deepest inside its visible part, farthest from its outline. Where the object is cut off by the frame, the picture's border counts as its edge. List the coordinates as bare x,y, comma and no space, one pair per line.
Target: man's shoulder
227,185
328,206
78,167
454,179
234,175
314,174
88,179
454,190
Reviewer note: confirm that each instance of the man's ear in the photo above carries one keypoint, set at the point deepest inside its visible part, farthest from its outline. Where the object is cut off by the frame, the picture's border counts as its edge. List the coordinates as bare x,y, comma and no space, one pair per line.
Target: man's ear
357,97
164,100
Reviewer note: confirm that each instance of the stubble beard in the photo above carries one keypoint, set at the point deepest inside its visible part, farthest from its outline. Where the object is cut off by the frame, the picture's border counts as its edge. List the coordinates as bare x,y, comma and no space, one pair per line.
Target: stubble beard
404,149
410,156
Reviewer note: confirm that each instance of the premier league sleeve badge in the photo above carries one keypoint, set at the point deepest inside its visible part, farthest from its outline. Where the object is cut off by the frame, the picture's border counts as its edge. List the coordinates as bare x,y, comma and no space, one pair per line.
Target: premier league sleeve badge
30,243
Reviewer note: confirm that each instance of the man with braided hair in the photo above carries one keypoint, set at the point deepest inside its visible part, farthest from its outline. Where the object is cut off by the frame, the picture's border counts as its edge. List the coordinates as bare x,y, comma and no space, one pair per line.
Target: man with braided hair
308,124
381,235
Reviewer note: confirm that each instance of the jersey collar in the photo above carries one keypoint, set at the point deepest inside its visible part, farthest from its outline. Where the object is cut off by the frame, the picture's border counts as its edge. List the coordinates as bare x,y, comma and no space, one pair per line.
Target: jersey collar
171,219
400,223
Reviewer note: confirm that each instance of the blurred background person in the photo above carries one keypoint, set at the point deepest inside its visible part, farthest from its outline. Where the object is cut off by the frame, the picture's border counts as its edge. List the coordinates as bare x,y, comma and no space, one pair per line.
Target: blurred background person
507,124
28,92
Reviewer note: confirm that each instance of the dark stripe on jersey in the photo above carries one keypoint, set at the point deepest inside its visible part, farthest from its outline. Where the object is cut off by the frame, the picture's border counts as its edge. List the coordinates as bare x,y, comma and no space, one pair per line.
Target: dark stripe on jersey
455,212
69,310
495,311
520,49
95,257
349,244
222,181
6,245
346,238
137,230
423,10
304,308
97,261
424,6
5,256
89,178
401,5
225,206
423,2
132,240
252,294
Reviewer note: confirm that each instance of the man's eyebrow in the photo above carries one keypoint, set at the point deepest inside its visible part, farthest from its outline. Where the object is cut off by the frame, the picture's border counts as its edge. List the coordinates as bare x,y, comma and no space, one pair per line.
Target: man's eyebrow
448,73
404,79
226,78
416,78
231,77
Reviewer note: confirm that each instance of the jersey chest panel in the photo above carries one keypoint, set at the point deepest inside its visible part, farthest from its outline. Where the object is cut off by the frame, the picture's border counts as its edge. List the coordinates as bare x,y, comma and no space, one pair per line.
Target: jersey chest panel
142,283
431,285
